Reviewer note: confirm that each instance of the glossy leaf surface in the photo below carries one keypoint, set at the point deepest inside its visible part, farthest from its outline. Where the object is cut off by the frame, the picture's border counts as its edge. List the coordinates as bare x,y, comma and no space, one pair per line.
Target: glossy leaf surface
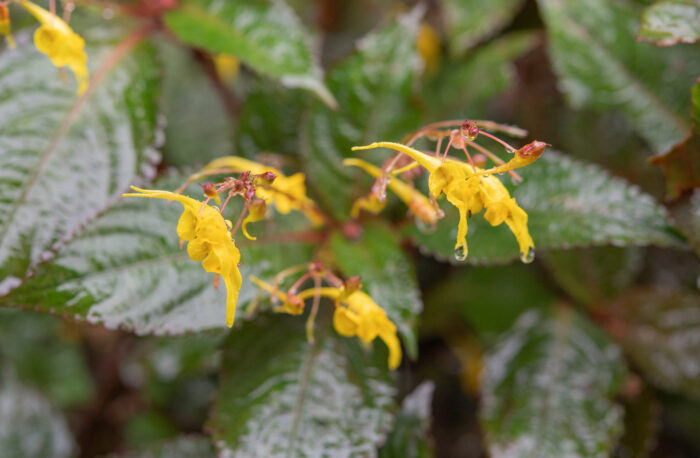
266,35
670,22
599,63
548,389
64,160
280,395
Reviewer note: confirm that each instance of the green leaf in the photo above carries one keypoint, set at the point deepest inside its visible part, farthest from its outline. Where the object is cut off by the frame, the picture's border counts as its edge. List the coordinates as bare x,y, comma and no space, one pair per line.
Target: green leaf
470,21
282,396
270,120
409,439
64,160
595,274
198,128
548,389
387,276
656,328
373,87
667,23
600,64
464,87
489,298
60,374
126,270
686,215
569,204
29,426
179,447
265,34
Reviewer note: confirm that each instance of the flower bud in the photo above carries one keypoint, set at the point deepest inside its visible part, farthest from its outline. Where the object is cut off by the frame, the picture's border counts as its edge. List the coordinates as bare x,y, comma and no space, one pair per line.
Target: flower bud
469,130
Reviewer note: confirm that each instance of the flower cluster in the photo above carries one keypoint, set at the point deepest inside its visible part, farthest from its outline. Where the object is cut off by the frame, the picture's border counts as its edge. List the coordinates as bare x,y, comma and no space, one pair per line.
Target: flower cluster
355,314
468,187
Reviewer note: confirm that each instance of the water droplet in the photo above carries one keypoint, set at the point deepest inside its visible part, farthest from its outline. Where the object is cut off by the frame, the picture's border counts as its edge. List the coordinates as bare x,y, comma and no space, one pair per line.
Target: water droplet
460,253
423,227
528,257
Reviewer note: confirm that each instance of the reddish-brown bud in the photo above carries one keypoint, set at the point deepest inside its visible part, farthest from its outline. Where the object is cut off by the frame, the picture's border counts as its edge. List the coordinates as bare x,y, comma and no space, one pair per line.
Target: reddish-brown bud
353,284
470,130
268,177
532,150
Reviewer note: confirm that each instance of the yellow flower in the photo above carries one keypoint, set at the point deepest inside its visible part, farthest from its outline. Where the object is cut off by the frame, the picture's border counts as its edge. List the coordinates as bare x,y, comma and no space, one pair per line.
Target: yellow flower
286,192
227,66
356,314
428,44
209,241
417,203
472,189
57,40
5,27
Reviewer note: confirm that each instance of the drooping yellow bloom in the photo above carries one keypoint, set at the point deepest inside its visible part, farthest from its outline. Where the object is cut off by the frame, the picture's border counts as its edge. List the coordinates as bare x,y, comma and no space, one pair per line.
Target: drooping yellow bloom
417,203
57,40
470,189
356,314
286,192
5,27
209,241
256,212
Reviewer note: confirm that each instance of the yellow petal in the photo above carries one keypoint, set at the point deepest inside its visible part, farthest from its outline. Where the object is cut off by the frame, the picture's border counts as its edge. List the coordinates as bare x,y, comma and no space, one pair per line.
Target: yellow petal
370,203
233,282
392,342
256,212
344,321
522,157
198,250
430,163
57,40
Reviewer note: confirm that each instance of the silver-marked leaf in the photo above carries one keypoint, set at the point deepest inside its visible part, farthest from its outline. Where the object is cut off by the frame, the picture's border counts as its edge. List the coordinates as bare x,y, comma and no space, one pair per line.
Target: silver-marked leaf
373,88
64,159
548,389
387,275
600,64
126,270
283,396
179,447
658,329
669,22
265,34
569,204
409,439
29,426
469,21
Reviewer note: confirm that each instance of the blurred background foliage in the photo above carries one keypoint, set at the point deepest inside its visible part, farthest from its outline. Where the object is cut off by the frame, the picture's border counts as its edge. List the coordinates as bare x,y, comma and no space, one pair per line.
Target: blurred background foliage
592,350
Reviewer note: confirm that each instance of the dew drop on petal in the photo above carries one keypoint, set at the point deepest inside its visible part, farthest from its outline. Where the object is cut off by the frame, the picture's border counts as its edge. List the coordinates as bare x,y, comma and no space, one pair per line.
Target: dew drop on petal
460,254
528,257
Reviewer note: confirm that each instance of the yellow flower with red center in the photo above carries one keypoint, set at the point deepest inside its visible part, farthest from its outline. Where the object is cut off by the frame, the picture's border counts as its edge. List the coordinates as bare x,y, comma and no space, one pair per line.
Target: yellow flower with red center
287,193
471,189
209,241
57,40
356,314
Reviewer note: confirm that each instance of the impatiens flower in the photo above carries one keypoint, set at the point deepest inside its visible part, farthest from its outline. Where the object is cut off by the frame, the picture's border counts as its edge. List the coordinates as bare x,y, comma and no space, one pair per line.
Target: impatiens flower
470,189
57,40
5,28
287,193
209,241
256,212
356,314
417,203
